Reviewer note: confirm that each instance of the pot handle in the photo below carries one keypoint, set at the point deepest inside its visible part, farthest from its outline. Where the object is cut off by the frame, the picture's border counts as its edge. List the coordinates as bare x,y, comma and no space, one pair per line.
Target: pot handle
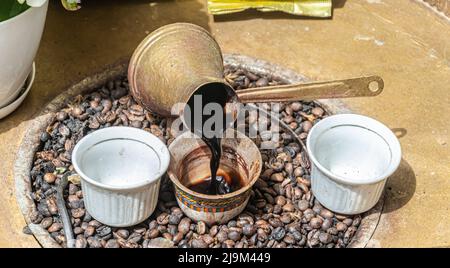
355,87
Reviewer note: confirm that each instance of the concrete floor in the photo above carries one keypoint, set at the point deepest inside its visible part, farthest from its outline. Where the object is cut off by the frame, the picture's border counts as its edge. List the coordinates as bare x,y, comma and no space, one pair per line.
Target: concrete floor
402,41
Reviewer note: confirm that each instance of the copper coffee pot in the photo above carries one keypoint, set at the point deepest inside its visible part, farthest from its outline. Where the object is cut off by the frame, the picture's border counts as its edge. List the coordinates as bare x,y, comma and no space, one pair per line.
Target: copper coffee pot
176,60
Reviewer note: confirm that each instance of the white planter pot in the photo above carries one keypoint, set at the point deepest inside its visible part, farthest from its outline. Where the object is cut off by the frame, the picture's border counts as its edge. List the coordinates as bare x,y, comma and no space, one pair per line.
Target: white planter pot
19,41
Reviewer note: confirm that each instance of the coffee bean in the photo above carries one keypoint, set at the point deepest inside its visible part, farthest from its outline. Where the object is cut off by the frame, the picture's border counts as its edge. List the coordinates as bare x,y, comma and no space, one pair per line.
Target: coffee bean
222,236
47,222
277,177
201,227
199,243
78,230
81,242
167,236
349,234
49,177
325,238
341,227
103,231
325,213
163,219
296,106
317,111
78,213
234,235
289,207
286,218
112,243
55,227
122,233
278,233
90,230
327,223
153,233
262,82
347,221
184,225
177,237
248,229
306,125
303,205
275,222
280,200
316,223
94,242
228,244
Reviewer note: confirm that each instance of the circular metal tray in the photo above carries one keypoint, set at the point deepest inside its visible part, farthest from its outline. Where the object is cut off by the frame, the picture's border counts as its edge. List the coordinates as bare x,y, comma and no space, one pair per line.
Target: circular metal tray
30,142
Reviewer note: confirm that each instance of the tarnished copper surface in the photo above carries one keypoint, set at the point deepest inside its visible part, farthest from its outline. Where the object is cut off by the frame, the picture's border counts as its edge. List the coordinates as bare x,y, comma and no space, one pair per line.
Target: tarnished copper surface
355,87
171,63
174,61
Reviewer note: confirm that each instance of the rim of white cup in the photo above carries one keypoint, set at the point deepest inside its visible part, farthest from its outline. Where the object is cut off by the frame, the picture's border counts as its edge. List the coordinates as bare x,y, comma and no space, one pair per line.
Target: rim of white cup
363,122
149,139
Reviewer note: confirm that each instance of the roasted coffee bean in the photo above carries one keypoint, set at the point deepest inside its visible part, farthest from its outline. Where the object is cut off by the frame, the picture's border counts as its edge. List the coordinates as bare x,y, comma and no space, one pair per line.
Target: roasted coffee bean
49,177
303,205
112,243
153,233
341,227
184,225
78,213
248,229
325,238
47,222
234,235
94,242
103,231
327,223
163,219
81,242
262,82
281,199
317,111
201,227
55,227
316,223
89,231
222,236
347,221
199,243
289,207
278,233
277,177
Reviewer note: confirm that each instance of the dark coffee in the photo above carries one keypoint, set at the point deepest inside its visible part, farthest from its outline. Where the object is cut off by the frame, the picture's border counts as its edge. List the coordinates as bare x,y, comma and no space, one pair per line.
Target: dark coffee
210,129
226,182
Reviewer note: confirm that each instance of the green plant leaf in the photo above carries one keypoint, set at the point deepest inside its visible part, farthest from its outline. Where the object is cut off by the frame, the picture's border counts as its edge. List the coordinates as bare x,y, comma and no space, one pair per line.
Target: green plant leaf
11,8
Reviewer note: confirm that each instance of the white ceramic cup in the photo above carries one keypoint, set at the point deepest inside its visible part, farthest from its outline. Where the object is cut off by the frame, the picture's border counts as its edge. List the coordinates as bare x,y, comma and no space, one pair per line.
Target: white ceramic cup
352,156
120,170
19,41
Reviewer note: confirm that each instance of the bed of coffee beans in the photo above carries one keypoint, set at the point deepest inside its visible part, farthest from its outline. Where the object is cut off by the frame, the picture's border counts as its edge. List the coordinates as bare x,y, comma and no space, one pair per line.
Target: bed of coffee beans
282,211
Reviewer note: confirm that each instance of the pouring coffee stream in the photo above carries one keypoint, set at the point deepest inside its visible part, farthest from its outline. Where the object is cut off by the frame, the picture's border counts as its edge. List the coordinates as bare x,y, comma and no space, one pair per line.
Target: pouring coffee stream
179,61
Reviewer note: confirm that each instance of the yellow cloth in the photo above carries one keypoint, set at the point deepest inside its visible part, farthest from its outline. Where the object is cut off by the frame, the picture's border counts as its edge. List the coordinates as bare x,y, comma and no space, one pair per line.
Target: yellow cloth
314,8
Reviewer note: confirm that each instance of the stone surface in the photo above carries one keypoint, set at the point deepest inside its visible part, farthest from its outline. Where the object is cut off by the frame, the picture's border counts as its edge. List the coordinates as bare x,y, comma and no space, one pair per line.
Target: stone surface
400,40
440,5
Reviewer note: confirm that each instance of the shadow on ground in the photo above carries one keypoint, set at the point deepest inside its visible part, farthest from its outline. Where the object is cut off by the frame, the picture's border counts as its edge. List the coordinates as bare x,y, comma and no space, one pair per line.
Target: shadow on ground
400,187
